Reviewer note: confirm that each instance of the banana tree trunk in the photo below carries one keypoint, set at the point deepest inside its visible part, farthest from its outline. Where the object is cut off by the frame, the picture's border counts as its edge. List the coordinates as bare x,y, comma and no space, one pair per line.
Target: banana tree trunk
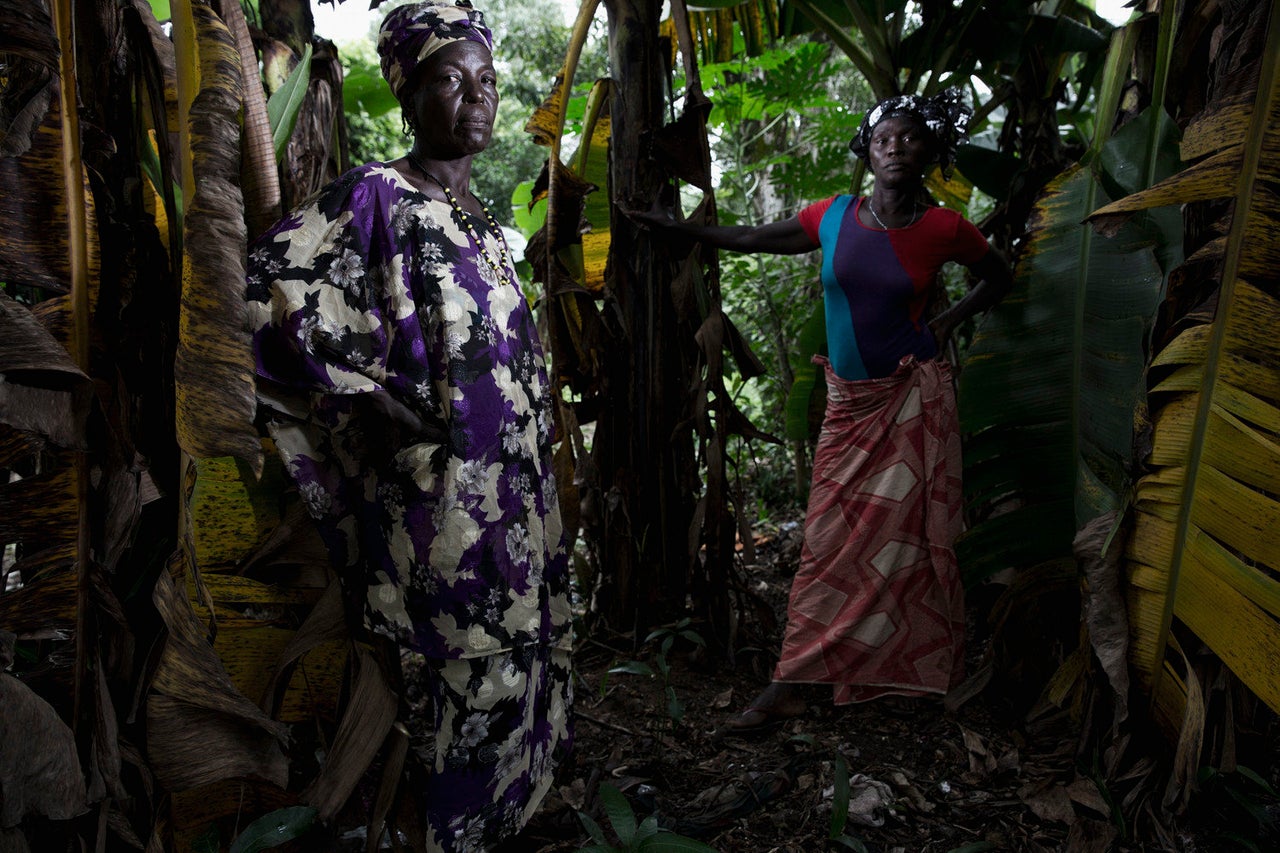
648,505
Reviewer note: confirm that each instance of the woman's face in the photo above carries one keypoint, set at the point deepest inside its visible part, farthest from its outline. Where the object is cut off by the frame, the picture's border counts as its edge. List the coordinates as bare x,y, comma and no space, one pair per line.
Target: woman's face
901,147
454,101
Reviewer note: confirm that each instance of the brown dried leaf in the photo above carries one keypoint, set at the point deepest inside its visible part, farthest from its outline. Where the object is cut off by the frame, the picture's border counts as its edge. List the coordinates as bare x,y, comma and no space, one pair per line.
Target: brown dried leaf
189,746
910,792
1010,762
1086,793
969,688
213,369
749,364
259,175
156,51
564,464
326,622
36,195
16,445
1091,836
30,48
1049,801
202,728
981,761
544,124
1105,607
364,727
681,146
13,841
41,389
294,543
565,221
39,770
575,794
47,608
1186,760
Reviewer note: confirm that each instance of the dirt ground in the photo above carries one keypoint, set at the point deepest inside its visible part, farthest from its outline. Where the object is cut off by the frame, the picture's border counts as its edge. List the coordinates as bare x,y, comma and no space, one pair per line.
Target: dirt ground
921,779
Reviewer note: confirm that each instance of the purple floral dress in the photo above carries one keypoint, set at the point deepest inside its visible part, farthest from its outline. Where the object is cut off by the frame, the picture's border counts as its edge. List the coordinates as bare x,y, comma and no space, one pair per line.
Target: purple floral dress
403,383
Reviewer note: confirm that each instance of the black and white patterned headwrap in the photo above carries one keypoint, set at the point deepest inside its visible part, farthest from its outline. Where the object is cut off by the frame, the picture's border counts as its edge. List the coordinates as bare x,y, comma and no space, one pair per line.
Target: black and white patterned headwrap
944,114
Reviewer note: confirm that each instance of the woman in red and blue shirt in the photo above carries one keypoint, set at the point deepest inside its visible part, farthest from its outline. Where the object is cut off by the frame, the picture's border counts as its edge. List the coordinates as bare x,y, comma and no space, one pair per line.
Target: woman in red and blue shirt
877,605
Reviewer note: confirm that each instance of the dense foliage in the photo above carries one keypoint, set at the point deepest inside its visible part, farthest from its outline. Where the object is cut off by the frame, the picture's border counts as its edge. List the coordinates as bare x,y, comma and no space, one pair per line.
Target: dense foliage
179,644
531,38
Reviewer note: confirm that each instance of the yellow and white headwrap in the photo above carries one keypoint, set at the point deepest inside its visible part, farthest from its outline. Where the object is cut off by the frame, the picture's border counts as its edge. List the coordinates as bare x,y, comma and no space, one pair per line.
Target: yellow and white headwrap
411,33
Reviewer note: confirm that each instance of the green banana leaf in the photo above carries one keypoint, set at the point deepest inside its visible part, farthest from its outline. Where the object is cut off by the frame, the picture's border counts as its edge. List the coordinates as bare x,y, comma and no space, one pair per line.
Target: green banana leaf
1055,374
285,103
806,375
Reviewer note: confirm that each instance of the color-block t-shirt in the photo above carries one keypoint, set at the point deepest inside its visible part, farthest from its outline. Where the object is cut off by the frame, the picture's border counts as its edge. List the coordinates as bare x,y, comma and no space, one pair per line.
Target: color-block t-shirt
877,284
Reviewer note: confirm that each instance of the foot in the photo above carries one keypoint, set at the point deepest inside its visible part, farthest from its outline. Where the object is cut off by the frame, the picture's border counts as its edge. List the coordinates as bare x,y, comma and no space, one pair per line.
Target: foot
776,703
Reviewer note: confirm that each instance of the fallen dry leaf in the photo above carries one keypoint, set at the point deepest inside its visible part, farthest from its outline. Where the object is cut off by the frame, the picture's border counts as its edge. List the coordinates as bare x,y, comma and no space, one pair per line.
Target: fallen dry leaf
1009,762
1086,793
575,794
1048,801
981,761
912,794
1091,836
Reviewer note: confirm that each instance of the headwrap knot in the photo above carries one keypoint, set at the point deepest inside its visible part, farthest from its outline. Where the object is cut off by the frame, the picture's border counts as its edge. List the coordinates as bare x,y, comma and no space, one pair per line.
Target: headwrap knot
409,34
944,115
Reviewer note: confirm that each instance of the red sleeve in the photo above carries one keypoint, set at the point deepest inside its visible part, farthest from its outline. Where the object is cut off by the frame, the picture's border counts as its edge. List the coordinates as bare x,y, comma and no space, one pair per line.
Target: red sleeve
969,246
811,217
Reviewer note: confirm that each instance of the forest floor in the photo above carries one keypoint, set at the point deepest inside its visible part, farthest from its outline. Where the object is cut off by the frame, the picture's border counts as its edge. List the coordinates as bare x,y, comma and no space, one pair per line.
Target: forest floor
920,779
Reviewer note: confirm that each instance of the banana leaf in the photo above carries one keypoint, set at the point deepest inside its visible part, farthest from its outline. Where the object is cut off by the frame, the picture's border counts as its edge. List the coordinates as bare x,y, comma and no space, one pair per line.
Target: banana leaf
39,769
31,67
192,693
214,367
261,140
1054,375
1206,545
50,246
43,391
285,102
807,378
717,24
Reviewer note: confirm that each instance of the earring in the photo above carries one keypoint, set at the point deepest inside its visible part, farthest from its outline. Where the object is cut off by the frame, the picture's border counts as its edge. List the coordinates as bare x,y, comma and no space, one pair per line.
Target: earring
407,124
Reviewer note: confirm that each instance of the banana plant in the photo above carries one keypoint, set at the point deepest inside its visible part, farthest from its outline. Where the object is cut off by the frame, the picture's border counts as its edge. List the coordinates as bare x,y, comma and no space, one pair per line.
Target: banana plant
87,411
1054,374
1053,387
51,258
1204,551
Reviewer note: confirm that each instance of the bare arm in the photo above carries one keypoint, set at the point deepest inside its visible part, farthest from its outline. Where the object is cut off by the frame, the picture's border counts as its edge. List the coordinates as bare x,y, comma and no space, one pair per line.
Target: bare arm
785,237
995,281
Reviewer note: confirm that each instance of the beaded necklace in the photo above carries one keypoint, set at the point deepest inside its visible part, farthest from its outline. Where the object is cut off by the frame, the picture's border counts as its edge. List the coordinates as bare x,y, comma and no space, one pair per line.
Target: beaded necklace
499,266
914,210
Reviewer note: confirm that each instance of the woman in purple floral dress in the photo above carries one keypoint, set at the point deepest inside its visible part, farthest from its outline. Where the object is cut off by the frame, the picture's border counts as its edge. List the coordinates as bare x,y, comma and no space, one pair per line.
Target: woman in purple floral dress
401,378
